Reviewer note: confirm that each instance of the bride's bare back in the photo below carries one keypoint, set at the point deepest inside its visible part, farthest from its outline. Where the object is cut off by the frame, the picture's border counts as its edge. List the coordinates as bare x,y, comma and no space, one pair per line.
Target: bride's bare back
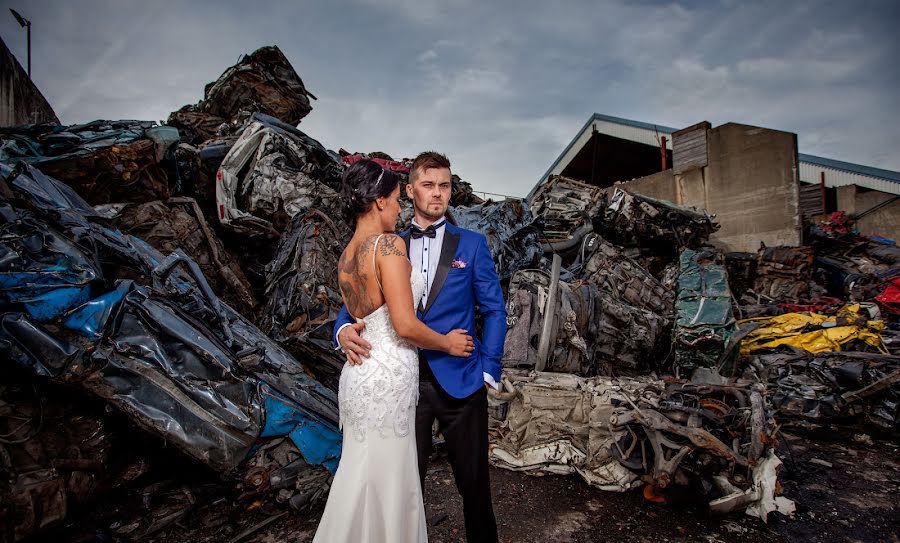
357,275
377,261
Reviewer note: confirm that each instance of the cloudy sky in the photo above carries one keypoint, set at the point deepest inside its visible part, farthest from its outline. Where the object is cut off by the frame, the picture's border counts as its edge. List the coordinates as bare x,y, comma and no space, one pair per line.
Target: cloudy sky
501,87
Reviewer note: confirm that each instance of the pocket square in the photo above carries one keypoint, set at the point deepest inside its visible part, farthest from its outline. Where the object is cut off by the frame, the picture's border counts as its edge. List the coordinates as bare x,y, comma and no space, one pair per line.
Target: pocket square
458,264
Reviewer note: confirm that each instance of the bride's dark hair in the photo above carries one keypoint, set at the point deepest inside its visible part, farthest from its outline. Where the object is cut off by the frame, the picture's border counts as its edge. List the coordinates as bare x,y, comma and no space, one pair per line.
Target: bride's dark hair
362,183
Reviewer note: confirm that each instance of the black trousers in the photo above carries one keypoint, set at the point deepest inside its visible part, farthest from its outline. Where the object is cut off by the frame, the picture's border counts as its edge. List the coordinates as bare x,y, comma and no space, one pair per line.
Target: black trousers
463,422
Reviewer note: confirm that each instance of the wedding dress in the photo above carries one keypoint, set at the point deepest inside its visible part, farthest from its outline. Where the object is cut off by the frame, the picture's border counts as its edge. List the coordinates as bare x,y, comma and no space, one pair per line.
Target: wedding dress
376,495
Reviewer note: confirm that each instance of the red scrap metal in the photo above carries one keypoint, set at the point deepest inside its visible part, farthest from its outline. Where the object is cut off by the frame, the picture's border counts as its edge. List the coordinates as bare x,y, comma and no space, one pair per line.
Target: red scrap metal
824,304
392,165
889,300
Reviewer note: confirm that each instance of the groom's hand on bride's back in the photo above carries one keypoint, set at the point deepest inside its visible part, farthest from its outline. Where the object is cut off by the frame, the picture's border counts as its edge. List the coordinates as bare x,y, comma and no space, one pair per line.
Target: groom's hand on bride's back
355,347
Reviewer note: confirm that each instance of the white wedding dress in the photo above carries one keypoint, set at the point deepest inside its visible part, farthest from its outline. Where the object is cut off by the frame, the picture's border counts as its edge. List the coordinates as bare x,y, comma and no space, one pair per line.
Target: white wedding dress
375,496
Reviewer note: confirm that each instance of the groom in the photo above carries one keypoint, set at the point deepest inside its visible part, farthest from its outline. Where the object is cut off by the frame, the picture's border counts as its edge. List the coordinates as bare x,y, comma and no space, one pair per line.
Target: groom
460,278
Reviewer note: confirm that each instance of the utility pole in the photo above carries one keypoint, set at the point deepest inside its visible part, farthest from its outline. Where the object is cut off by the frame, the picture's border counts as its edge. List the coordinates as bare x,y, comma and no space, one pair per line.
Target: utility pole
27,25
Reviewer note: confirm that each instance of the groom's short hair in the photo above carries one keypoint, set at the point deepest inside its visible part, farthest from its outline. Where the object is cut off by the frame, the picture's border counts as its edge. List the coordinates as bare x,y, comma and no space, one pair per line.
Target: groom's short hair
426,161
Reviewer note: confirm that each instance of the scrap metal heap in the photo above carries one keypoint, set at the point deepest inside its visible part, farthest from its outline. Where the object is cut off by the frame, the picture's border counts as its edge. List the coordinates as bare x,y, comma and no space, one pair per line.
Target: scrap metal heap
178,223
104,161
638,297
507,225
565,207
261,82
584,329
272,173
783,273
303,297
636,354
622,433
653,231
100,311
705,324
49,467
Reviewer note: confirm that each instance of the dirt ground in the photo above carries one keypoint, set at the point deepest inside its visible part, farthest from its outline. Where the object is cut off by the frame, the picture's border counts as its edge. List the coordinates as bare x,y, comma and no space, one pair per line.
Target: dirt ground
845,491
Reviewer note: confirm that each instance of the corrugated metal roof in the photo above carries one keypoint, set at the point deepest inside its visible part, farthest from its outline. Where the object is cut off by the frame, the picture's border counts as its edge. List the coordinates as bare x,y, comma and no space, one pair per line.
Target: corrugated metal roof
812,173
850,167
628,129
837,173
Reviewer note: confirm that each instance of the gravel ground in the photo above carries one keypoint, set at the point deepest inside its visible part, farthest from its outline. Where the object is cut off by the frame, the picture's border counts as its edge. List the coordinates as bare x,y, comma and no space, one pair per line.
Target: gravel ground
844,491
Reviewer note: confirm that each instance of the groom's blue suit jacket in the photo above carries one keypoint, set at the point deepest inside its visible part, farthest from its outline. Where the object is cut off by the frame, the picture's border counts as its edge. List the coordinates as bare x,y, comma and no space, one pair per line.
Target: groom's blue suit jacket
465,281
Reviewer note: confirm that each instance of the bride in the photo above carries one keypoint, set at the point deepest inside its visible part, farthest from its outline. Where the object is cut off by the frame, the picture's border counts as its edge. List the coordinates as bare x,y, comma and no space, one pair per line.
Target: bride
376,494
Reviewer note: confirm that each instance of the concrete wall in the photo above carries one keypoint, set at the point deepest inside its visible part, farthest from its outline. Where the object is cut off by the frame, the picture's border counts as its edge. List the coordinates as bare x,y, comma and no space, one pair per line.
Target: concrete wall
659,185
884,222
750,184
20,100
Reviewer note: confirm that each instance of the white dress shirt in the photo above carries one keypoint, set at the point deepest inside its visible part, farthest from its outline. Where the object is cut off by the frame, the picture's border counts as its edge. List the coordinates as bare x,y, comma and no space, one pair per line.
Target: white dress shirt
424,255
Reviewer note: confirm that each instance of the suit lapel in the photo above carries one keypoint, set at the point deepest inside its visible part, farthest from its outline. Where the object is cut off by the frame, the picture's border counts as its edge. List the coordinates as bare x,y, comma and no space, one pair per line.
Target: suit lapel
448,251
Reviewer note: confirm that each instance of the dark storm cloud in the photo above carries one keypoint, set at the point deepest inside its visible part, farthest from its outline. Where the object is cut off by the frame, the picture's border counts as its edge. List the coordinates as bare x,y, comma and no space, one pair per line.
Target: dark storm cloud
500,86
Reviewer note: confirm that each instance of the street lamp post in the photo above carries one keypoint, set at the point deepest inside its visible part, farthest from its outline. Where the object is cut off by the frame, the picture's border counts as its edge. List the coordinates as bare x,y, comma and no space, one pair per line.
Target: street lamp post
27,25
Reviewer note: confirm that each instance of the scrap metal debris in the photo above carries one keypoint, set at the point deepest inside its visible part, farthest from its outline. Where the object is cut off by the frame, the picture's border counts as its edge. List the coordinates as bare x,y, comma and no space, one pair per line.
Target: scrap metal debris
655,230
849,387
178,223
620,433
159,346
272,173
783,273
137,260
582,328
609,268
507,226
705,323
104,161
58,452
565,207
303,295
261,82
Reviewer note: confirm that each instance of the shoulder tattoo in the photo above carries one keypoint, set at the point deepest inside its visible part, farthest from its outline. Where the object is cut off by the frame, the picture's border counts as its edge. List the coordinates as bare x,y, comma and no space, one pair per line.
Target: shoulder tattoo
389,246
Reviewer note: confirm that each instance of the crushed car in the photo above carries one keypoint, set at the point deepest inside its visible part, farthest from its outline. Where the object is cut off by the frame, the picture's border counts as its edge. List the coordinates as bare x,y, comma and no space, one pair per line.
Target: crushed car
851,388
103,312
624,433
272,173
262,82
104,161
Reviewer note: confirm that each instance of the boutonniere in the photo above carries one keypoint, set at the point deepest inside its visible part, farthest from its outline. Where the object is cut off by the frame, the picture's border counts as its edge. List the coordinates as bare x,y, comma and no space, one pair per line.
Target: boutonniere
458,264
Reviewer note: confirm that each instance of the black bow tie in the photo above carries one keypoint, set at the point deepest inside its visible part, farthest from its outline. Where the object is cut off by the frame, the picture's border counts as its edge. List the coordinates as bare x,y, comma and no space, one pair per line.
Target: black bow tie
429,232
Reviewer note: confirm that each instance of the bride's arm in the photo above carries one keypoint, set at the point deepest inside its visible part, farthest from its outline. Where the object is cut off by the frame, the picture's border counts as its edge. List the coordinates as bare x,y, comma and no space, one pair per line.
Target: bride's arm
394,269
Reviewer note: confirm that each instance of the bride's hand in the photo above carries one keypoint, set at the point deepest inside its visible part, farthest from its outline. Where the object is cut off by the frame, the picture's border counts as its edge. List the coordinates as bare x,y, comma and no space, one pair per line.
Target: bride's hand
459,343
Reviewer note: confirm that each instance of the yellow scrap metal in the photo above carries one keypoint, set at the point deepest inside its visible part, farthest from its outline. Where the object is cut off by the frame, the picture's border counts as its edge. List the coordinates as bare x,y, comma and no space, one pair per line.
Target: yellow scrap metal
830,333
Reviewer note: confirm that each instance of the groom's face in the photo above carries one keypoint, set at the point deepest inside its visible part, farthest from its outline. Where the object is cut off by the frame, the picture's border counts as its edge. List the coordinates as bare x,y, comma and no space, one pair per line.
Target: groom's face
430,192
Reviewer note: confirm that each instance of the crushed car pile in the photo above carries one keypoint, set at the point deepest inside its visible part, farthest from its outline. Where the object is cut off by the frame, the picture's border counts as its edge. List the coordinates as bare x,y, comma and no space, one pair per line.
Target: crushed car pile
179,279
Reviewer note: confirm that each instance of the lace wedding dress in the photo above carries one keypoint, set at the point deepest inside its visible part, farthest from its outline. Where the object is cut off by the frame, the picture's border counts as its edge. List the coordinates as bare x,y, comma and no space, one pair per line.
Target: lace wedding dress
375,496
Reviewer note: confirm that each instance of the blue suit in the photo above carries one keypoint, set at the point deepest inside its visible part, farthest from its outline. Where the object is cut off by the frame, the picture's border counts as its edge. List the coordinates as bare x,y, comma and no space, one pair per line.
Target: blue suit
465,279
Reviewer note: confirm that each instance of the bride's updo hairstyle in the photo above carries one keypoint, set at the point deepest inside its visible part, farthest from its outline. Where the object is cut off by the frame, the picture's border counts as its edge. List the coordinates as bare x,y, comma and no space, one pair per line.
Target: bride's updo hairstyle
362,184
